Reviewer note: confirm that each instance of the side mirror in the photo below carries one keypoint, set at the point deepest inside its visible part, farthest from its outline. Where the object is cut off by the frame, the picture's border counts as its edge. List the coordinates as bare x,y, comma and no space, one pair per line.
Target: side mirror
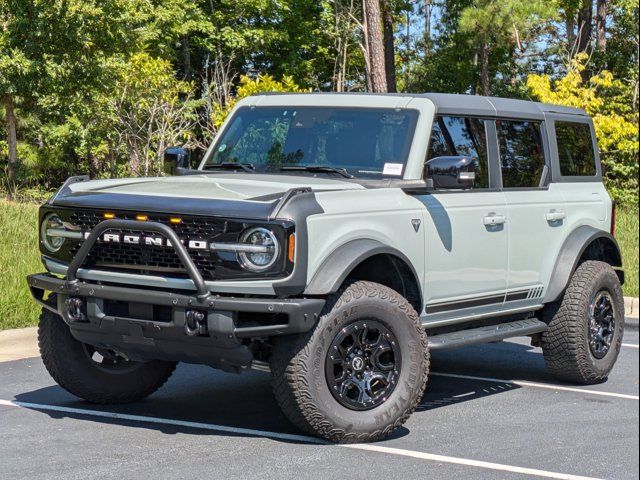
455,172
175,158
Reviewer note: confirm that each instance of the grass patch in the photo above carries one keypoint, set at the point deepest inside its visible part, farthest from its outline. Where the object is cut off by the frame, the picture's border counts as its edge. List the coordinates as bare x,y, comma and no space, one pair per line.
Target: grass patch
627,236
19,256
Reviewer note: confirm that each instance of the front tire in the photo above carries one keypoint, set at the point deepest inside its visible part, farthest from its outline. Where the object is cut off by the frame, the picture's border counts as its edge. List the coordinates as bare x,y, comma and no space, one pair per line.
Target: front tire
360,373
585,326
98,376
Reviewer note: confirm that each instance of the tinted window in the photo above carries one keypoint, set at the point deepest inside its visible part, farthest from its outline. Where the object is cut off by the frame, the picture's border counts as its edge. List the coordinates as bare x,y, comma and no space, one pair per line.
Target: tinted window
521,153
460,136
575,149
367,142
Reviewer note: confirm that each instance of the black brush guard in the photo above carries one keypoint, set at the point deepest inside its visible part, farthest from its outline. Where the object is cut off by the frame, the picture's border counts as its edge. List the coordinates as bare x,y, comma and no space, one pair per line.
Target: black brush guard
143,336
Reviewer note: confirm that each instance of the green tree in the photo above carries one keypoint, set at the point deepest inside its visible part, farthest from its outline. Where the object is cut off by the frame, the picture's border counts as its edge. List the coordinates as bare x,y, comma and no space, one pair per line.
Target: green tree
149,110
53,53
605,98
503,23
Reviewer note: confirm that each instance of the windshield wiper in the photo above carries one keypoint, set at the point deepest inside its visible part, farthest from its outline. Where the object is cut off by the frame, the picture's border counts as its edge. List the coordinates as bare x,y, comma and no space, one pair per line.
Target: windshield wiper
247,167
317,168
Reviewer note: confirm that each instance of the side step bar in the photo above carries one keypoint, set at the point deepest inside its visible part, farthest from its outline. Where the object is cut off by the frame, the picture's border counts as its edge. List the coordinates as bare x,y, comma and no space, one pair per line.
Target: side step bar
491,333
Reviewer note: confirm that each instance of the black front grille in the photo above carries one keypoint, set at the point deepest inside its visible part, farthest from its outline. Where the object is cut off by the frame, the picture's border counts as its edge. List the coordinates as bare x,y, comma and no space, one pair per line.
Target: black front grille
163,260
151,258
204,228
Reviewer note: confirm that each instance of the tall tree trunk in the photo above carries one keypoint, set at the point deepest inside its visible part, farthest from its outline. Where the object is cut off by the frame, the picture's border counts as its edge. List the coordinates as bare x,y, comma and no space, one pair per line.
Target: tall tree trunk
585,25
427,20
372,19
601,25
570,25
12,140
367,49
186,58
389,47
484,60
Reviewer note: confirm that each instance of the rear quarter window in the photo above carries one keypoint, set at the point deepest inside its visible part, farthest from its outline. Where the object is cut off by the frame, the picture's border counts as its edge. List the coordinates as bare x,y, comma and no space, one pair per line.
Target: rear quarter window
521,153
575,149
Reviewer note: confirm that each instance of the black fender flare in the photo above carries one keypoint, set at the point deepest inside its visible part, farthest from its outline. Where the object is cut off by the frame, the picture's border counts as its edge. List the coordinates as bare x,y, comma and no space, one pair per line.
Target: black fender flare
341,262
570,253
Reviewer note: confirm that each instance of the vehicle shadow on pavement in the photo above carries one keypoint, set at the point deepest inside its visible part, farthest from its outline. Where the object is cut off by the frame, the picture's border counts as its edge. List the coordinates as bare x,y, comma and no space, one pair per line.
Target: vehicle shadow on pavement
200,394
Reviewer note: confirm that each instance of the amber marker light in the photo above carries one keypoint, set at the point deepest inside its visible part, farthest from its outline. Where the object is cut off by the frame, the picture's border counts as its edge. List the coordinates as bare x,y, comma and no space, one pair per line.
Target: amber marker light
142,218
175,220
292,247
109,216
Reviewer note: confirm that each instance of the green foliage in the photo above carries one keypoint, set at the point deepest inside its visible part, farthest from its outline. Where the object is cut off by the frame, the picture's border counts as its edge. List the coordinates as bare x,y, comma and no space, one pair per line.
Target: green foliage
627,236
255,86
149,110
510,21
103,86
18,257
606,100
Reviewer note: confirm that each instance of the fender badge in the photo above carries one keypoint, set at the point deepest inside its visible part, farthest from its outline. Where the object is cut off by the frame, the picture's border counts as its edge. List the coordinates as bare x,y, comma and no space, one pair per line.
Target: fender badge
416,224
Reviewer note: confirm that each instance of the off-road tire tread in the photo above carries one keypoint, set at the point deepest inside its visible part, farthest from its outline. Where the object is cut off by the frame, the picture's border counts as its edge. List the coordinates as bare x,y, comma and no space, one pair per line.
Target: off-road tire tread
292,357
563,344
50,327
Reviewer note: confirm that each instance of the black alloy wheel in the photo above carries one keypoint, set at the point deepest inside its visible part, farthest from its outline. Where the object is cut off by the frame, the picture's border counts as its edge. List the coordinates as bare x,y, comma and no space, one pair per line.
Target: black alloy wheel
363,364
602,324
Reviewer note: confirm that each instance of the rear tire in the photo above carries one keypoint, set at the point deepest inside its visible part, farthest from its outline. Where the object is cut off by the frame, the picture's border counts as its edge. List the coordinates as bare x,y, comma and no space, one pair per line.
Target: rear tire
75,367
585,326
369,346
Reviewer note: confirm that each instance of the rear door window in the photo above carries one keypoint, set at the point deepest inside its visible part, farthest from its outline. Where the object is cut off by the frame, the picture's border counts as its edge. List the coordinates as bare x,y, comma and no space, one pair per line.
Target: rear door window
575,149
461,136
521,153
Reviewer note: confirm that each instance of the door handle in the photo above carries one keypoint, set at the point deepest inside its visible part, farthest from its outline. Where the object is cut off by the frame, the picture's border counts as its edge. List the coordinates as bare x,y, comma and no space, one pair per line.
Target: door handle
494,219
555,215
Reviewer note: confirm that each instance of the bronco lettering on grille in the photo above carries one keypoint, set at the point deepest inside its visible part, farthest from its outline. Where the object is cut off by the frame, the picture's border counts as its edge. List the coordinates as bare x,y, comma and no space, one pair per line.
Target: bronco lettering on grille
149,240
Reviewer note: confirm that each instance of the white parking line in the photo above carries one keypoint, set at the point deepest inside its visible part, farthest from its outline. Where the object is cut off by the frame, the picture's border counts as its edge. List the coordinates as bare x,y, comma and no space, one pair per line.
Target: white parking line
547,386
162,421
296,438
630,345
464,461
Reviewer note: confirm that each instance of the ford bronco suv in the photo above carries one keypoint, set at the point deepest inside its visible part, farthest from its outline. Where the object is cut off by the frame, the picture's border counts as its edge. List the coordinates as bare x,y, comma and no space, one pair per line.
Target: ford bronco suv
335,240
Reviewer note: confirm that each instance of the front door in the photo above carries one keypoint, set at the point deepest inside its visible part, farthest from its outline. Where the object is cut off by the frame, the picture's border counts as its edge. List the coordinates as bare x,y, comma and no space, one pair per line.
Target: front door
466,250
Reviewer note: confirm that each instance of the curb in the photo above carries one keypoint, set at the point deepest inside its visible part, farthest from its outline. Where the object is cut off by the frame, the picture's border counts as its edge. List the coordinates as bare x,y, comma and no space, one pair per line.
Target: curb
16,344
631,307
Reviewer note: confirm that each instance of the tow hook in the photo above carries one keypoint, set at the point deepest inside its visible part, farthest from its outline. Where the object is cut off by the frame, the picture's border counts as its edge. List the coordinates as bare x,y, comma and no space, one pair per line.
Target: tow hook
74,309
195,324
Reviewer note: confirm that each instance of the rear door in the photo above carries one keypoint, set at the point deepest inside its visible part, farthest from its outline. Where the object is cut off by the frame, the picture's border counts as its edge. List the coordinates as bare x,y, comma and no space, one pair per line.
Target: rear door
536,210
466,260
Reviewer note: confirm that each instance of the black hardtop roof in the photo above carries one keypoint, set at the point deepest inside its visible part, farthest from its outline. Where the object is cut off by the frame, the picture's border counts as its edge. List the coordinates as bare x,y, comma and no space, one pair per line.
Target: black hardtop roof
507,107
456,103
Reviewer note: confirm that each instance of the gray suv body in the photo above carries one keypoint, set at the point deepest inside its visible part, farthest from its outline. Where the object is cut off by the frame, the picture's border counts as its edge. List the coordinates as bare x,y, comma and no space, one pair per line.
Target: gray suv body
336,239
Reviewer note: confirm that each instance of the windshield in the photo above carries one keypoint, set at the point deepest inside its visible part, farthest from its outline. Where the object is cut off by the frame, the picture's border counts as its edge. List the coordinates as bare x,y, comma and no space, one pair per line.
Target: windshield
364,142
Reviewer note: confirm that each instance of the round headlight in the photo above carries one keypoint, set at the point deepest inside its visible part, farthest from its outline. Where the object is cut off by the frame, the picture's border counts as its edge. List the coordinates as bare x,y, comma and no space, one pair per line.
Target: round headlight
266,251
51,222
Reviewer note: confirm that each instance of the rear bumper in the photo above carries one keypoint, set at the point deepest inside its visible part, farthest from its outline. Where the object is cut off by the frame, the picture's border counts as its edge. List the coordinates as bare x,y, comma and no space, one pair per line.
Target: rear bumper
150,324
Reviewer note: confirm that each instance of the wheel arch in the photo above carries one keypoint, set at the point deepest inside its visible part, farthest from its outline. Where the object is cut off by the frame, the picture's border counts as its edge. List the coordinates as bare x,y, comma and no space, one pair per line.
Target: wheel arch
368,259
584,243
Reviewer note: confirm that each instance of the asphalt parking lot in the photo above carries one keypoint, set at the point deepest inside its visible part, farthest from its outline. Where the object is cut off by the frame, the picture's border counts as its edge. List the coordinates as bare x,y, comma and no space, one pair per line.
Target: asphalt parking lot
490,411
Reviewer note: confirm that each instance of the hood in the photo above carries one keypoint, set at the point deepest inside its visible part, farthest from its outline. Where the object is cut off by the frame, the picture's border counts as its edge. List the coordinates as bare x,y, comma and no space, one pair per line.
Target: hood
230,195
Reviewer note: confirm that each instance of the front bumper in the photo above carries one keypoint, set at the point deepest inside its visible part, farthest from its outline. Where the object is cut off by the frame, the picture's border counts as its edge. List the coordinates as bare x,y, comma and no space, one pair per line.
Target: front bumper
150,324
